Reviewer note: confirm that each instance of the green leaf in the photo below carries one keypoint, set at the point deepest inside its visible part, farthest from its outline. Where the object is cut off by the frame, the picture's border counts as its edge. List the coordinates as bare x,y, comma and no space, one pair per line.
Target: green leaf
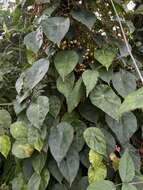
5,118
35,139
105,56
66,86
85,17
70,165
83,183
97,174
54,170
55,105
18,183
5,145
19,130
34,40
22,150
38,162
55,28
34,182
126,168
128,186
132,101
102,185
75,95
124,128
106,75
95,140
124,82
59,187
60,140
79,127
105,98
45,178
90,78
32,76
37,111
65,62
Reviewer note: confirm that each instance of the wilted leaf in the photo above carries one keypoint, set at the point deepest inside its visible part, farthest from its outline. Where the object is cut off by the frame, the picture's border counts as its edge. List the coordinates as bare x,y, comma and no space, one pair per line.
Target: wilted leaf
126,168
22,150
65,62
38,110
70,165
90,78
132,101
124,82
85,17
55,28
5,145
105,98
102,185
60,140
95,140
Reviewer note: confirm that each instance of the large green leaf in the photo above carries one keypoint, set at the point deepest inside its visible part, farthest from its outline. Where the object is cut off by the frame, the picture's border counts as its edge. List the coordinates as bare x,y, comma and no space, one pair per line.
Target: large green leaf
55,28
19,130
90,78
22,150
102,185
132,101
79,127
34,40
32,76
75,95
70,165
5,145
60,140
124,82
124,128
85,17
38,162
95,140
66,86
105,98
5,118
38,110
65,62
105,56
128,186
126,167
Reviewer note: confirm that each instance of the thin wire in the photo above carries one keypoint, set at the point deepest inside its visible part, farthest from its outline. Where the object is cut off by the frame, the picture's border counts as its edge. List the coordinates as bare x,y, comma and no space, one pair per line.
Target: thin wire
126,42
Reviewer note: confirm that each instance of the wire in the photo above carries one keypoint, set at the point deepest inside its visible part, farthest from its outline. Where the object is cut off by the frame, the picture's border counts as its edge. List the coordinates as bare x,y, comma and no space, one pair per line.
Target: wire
126,42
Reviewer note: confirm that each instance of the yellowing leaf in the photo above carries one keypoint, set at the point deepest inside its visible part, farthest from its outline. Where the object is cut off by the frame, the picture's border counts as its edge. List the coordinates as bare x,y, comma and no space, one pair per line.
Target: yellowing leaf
95,158
5,145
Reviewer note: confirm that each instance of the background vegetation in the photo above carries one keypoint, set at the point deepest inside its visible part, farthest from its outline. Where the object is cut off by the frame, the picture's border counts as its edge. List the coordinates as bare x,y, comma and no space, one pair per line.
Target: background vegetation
71,95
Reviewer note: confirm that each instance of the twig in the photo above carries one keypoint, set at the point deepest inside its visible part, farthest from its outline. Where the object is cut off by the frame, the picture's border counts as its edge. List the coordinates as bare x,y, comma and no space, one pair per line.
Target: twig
126,42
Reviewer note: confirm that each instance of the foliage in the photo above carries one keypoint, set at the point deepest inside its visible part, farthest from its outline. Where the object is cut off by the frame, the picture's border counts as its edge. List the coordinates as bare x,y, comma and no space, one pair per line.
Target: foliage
71,99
